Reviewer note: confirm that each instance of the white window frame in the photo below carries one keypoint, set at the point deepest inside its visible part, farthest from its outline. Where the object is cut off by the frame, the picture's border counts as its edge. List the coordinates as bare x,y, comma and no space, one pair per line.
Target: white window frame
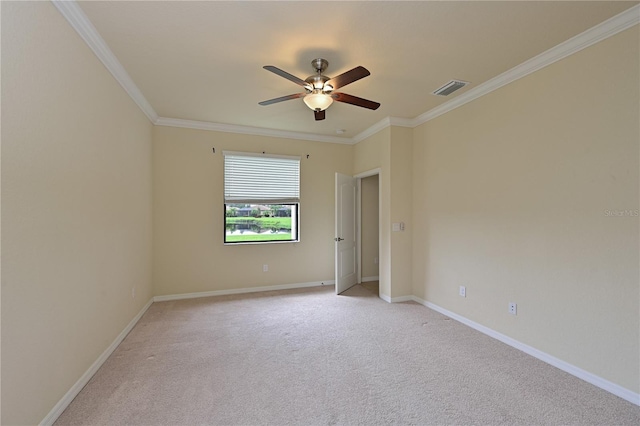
262,179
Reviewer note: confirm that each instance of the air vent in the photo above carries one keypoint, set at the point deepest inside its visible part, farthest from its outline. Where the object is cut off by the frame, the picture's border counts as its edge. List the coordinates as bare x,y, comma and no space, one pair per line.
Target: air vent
450,87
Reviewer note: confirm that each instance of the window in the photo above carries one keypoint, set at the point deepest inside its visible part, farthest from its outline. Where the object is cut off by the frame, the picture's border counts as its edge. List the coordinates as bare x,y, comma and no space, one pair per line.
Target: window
261,198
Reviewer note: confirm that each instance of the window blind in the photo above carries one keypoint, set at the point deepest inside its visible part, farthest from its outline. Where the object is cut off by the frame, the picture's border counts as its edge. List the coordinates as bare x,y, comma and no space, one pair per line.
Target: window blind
261,178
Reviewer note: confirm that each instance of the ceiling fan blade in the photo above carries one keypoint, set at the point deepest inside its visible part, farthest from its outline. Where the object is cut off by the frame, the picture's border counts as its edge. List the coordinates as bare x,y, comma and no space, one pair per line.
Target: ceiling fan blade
354,100
320,115
286,75
348,77
282,98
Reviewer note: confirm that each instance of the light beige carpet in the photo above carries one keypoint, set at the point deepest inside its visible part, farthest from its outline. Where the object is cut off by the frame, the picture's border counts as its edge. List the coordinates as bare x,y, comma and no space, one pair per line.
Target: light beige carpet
308,357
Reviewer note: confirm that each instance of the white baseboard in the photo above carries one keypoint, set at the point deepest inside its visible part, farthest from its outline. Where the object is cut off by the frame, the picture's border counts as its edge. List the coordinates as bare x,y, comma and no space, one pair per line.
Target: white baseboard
401,299
598,381
369,279
84,379
241,290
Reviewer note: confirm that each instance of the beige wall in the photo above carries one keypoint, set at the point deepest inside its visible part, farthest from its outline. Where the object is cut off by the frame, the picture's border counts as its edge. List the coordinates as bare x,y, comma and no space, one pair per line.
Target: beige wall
370,224
370,153
189,255
400,202
76,209
511,194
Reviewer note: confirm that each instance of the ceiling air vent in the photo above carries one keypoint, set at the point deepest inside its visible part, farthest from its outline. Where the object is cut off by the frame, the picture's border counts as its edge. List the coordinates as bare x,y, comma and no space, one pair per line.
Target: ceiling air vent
450,87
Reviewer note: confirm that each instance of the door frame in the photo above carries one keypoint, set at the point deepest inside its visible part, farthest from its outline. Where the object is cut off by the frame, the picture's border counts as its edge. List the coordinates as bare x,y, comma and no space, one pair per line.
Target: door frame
359,177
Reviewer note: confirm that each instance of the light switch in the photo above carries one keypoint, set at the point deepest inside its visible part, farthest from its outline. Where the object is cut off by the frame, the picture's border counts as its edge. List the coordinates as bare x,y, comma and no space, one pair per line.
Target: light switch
397,226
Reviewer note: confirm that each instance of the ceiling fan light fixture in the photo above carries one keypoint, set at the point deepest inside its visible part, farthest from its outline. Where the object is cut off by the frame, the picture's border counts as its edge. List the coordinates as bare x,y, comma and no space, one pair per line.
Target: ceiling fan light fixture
318,101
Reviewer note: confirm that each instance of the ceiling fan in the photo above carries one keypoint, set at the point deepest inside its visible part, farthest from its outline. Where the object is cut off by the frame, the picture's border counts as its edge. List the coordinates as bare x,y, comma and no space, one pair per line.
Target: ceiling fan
319,89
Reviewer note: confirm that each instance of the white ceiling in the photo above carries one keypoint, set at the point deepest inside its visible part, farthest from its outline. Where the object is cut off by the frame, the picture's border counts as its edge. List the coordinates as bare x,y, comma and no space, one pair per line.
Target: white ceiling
203,60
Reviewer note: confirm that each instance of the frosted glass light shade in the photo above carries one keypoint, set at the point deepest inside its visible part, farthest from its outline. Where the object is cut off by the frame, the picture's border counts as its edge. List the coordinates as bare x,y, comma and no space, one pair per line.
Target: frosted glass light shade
318,101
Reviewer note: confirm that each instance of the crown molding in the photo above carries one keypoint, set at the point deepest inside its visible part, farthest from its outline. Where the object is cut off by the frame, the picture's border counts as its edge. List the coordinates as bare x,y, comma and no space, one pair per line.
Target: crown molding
604,30
247,130
401,122
83,26
383,124
81,23
380,125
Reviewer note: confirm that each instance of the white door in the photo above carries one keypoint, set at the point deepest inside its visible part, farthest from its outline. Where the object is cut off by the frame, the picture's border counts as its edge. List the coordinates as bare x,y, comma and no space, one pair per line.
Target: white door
345,239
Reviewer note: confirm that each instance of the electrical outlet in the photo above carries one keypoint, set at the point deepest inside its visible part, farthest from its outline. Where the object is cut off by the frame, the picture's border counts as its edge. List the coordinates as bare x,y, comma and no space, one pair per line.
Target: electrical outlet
265,268
463,291
133,292
513,308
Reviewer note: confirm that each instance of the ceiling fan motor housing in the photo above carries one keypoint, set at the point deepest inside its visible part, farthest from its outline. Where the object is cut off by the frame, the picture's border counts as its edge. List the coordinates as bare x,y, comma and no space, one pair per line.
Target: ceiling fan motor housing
320,65
317,81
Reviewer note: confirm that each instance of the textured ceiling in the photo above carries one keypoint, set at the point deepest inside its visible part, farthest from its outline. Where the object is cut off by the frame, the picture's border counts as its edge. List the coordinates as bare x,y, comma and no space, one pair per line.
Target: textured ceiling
203,60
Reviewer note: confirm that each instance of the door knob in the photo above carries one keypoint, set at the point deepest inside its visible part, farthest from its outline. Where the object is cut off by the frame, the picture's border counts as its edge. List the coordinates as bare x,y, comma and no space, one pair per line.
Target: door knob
339,239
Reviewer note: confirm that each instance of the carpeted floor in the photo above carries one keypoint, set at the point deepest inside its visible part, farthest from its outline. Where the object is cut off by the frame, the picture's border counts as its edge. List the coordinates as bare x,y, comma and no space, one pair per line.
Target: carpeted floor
308,357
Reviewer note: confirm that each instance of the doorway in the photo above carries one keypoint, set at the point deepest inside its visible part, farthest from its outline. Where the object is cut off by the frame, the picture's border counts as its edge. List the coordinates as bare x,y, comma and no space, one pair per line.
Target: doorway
369,232
357,231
